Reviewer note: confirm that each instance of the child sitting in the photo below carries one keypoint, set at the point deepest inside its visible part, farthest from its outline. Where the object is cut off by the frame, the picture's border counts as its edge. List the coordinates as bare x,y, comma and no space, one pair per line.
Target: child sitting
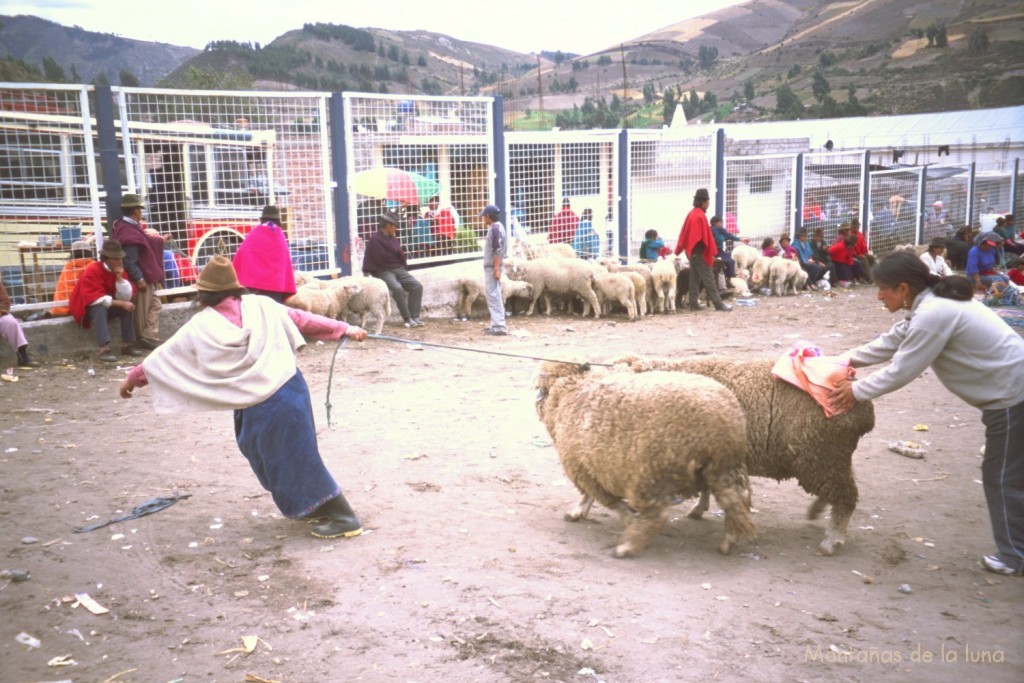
650,248
768,248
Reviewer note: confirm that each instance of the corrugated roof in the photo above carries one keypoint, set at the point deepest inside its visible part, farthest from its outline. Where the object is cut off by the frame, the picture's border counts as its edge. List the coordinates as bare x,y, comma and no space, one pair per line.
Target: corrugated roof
975,126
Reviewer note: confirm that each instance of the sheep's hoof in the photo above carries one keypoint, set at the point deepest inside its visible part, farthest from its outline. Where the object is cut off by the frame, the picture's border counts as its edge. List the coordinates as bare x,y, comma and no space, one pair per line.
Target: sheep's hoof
828,547
573,516
696,513
726,547
623,551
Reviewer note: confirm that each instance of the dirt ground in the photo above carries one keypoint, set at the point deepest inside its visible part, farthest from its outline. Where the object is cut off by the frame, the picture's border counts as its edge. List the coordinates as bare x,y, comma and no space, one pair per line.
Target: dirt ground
467,570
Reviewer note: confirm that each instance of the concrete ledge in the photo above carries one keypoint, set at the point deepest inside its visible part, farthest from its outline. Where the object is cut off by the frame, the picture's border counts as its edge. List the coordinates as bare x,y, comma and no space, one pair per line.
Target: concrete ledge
56,338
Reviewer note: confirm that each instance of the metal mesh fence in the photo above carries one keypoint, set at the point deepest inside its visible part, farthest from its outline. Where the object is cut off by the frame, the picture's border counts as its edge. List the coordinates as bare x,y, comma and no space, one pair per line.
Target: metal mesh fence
946,200
562,189
405,151
992,189
894,202
759,197
833,190
206,164
48,196
1018,203
664,172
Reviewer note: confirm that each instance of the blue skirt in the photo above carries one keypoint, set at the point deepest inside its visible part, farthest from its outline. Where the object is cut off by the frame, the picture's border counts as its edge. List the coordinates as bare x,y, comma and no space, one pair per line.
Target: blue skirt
278,438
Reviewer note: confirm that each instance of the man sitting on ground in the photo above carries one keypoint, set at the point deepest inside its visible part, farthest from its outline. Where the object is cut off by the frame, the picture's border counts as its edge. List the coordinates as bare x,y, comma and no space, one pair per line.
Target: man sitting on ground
385,259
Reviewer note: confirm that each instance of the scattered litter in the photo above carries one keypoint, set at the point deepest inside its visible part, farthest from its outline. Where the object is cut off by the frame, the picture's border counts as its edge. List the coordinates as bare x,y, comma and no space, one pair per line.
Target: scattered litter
706,586
905,588
11,450
250,678
88,603
586,644
62,660
921,428
263,577
414,347
752,556
723,598
193,544
745,302
827,617
910,449
414,456
542,443
864,577
866,528
26,639
77,634
117,537
15,575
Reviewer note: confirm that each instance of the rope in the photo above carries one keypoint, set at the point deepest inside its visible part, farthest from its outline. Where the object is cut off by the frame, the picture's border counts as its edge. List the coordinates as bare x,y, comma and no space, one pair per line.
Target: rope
330,376
141,510
385,337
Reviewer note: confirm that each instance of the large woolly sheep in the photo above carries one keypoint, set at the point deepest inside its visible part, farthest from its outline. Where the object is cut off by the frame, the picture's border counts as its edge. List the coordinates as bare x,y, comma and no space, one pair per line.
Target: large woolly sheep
788,434
664,273
744,256
544,250
619,448
555,276
615,287
373,299
782,274
472,288
325,301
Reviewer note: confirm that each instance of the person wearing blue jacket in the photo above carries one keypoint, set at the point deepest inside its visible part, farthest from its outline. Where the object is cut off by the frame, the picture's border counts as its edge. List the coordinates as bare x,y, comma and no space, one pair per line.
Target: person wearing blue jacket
587,242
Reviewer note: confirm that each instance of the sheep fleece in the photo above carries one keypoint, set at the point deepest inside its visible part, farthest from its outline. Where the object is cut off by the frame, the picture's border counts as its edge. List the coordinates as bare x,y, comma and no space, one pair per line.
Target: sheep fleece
618,444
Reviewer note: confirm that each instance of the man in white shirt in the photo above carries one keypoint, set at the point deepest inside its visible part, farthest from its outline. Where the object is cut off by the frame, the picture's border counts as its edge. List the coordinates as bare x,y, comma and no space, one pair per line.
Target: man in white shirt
934,260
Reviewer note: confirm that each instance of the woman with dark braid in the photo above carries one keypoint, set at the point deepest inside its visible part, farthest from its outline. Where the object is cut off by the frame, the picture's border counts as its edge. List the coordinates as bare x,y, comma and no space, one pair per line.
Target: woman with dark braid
975,355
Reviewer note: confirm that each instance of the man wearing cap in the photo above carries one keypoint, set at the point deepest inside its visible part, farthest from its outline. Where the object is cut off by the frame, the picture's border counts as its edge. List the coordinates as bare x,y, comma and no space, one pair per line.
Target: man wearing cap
103,293
696,240
937,216
495,250
385,259
81,258
982,262
238,353
263,261
144,262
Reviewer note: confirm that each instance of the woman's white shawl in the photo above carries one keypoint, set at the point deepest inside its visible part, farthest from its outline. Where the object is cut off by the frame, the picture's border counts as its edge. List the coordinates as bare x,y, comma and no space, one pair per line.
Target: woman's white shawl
212,364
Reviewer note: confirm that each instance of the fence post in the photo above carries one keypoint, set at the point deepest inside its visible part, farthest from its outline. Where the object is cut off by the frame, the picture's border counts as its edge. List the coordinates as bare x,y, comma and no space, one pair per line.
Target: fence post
623,200
108,153
798,193
1014,189
500,167
921,190
720,172
339,169
865,196
970,194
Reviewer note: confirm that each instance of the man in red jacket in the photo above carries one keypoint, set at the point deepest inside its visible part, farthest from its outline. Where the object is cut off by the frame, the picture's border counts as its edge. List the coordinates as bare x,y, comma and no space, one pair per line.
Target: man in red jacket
563,224
696,240
102,294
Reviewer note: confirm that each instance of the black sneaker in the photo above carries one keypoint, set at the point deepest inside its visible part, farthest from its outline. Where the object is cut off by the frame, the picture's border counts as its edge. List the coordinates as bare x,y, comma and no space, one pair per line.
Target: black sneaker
416,322
724,308
496,331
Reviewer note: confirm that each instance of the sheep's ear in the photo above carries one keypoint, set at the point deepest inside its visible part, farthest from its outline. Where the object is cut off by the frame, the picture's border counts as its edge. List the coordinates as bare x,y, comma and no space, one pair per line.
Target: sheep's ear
354,287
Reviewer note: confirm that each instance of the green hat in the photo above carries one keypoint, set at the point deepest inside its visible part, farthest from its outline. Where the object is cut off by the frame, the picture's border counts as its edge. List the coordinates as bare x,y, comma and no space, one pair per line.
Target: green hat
131,201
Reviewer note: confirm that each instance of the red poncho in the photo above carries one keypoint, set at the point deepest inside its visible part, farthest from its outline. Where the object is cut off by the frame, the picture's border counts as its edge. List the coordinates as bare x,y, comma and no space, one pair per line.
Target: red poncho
97,281
697,230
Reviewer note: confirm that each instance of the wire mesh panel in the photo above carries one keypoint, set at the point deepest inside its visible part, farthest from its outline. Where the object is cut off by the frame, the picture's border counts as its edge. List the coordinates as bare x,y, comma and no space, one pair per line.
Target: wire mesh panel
563,188
759,196
833,190
430,159
992,189
894,202
48,196
665,169
206,163
946,200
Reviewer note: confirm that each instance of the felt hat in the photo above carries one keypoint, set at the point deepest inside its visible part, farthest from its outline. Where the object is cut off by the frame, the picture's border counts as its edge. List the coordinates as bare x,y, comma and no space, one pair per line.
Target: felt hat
390,216
271,213
112,249
491,210
218,275
937,242
702,194
81,247
131,201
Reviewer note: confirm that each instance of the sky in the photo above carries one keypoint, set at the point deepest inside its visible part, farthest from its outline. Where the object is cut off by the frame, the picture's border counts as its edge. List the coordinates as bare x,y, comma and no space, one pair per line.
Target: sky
521,25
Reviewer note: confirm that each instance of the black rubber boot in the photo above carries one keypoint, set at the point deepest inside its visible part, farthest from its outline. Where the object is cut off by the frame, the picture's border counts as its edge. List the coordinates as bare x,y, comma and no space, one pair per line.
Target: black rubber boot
342,520
23,360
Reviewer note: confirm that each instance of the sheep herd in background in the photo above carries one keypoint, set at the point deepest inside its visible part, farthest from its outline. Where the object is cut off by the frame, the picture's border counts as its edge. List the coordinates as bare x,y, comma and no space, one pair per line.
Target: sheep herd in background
618,430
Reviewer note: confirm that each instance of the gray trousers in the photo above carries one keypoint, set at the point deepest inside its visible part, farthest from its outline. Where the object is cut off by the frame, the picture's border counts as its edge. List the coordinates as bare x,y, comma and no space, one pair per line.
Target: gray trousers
1002,476
700,272
495,305
99,317
405,290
